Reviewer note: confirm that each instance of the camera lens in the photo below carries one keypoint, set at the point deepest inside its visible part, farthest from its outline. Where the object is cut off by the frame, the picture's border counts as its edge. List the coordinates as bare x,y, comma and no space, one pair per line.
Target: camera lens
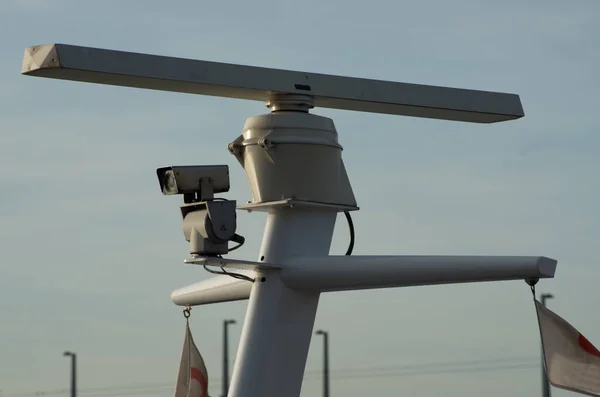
169,183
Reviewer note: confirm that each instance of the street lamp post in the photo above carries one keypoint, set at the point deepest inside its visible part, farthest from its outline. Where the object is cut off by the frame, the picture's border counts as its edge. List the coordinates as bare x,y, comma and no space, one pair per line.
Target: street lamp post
73,372
325,361
545,383
226,324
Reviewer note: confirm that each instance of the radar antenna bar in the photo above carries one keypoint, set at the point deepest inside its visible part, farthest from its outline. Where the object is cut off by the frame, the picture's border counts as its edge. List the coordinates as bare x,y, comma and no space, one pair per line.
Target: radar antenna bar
129,69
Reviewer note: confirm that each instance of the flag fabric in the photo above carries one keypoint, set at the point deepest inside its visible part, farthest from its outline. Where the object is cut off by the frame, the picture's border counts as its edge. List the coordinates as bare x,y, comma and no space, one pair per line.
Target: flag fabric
192,380
571,361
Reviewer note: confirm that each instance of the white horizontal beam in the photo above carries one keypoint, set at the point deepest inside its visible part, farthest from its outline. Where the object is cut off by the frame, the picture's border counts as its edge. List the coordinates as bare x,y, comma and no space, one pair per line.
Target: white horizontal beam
213,290
344,273
101,66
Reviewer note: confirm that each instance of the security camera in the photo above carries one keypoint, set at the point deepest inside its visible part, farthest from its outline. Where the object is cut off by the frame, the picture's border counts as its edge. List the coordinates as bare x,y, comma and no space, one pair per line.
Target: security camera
208,224
195,182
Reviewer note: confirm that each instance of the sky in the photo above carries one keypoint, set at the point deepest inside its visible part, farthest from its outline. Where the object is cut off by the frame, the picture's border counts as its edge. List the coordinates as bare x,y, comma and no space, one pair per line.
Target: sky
90,249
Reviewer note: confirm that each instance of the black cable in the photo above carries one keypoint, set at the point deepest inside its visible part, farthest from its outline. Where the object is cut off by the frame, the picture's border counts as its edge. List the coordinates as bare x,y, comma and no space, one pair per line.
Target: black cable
238,276
235,247
351,227
237,239
212,271
224,272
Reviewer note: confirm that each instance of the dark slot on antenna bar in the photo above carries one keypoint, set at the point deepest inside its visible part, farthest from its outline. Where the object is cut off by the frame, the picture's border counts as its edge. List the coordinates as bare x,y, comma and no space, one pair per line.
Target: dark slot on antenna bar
302,87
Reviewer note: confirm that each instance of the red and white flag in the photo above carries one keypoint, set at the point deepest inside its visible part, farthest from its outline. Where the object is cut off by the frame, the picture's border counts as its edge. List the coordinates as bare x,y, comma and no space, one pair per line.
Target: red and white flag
192,380
571,361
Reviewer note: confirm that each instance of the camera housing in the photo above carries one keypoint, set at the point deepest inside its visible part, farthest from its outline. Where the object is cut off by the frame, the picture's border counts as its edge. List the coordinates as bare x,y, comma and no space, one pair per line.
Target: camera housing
196,182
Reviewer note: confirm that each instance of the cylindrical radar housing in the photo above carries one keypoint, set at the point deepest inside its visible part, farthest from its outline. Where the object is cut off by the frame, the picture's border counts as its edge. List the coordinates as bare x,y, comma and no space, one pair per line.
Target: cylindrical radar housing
293,155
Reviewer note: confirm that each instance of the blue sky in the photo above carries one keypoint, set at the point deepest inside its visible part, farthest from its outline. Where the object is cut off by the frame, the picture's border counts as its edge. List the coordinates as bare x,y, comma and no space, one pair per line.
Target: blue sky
90,249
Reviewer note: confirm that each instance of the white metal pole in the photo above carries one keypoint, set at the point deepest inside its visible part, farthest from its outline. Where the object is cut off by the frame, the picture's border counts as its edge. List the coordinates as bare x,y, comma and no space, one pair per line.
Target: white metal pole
279,321
545,383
